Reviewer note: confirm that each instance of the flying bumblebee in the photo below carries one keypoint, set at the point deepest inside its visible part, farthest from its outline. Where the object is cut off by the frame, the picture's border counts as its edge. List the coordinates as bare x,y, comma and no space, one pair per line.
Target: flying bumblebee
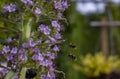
73,57
73,46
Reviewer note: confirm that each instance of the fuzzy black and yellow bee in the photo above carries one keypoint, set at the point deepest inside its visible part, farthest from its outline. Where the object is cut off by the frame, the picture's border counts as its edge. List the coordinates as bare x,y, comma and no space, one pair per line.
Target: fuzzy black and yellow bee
71,45
73,57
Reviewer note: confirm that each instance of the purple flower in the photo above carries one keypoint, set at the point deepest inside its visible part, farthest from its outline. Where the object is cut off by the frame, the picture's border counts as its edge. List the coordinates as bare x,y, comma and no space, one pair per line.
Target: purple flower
56,25
58,36
41,27
52,39
36,50
46,63
59,15
51,55
55,48
37,11
14,50
23,57
10,57
51,69
60,6
46,30
24,1
38,57
1,52
9,8
47,41
4,71
32,44
25,45
39,41
6,49
21,51
14,61
47,76
28,2
65,4
9,39
43,76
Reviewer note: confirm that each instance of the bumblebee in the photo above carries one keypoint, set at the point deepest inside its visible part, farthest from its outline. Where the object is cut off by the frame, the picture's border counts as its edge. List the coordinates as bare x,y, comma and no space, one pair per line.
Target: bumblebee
71,45
73,57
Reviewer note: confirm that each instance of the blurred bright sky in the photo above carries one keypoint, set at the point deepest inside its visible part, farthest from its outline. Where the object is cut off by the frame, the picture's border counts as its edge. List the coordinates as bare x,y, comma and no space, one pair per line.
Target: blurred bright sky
90,7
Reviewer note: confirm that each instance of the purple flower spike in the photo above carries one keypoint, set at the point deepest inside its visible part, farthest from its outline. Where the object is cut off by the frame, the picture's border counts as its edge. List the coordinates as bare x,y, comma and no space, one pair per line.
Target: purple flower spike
37,11
14,50
6,49
9,8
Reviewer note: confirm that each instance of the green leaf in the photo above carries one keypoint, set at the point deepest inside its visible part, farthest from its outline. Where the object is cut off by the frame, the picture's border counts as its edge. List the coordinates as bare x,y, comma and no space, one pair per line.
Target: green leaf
23,73
10,75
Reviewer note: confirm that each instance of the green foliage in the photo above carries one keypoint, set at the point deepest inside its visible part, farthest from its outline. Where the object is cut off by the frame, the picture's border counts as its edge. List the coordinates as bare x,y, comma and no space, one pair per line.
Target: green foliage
80,33
11,75
95,65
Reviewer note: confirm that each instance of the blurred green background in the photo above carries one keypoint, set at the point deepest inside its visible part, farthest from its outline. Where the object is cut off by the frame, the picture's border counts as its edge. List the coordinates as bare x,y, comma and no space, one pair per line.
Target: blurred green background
86,38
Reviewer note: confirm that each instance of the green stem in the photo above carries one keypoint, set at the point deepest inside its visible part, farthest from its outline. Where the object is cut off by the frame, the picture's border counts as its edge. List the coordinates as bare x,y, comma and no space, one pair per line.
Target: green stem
23,73
26,29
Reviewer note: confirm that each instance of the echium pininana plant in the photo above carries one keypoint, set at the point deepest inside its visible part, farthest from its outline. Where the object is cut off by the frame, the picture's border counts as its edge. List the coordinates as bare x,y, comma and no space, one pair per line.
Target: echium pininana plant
37,24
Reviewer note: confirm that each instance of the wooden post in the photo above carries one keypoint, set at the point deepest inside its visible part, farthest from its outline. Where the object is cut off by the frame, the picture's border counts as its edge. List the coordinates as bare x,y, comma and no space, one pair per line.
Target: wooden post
104,37
104,24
